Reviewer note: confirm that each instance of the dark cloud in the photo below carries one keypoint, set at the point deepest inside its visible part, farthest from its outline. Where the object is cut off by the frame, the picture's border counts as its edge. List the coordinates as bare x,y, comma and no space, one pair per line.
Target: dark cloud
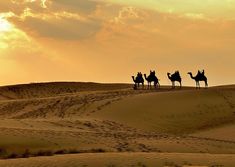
7,6
64,29
83,6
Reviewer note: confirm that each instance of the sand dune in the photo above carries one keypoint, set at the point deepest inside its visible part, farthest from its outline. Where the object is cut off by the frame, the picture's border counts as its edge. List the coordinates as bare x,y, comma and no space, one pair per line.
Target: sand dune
126,159
59,118
177,112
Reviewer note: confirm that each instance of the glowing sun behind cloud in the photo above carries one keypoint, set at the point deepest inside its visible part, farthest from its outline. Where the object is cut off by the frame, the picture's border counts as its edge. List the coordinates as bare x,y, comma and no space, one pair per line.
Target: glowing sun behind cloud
4,25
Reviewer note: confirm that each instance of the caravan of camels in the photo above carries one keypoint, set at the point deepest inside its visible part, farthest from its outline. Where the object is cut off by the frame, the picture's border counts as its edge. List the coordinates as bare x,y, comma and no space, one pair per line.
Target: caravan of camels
139,80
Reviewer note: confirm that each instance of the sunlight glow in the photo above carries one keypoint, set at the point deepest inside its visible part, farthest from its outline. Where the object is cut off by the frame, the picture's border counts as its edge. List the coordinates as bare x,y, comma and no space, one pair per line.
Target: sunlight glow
4,25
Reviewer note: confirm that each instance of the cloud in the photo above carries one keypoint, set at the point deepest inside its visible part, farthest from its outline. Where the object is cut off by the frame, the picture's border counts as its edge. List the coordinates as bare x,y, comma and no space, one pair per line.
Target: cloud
65,20
58,28
78,6
213,9
128,15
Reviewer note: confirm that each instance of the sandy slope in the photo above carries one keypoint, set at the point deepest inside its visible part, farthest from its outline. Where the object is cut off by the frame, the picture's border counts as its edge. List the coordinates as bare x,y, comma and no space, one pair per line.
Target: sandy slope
126,160
89,117
177,112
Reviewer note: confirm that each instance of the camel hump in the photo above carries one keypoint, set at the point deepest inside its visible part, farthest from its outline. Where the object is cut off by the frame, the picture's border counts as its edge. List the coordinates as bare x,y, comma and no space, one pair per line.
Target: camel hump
201,72
176,74
198,72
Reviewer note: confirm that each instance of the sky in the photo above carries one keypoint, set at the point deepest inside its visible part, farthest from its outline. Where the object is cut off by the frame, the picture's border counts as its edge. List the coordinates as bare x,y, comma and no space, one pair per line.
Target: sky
111,40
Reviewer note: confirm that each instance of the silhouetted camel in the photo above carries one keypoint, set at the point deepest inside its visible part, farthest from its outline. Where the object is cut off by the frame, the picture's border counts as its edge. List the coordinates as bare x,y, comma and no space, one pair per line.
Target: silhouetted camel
199,77
138,80
175,77
152,78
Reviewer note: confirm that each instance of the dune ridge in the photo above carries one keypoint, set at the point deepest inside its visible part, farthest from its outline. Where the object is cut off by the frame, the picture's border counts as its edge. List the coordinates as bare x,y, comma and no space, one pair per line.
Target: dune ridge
50,89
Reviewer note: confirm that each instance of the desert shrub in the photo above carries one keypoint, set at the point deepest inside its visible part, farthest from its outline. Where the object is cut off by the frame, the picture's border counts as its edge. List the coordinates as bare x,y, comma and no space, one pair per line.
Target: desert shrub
216,165
73,151
141,164
26,154
61,151
2,151
44,153
97,150
12,156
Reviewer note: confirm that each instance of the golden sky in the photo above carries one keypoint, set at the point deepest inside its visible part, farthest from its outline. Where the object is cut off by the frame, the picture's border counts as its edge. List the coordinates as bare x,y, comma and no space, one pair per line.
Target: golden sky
110,40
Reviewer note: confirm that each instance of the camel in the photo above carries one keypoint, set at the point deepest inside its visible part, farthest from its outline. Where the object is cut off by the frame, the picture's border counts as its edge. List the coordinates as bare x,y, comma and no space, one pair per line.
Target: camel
199,77
138,80
175,77
152,78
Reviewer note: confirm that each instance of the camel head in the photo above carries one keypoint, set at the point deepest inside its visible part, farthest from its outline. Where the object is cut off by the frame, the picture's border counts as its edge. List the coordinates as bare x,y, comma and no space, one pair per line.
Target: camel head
190,73
168,73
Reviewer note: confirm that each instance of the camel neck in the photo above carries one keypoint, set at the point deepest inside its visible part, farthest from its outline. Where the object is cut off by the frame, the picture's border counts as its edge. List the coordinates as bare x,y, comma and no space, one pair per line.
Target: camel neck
169,76
145,76
191,75
133,78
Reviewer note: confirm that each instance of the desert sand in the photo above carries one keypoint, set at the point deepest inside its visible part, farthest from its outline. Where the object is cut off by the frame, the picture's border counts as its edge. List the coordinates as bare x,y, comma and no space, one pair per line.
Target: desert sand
90,124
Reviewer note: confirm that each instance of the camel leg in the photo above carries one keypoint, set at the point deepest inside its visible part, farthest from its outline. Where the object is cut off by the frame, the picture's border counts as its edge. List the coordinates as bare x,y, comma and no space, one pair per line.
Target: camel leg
206,84
135,86
180,84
